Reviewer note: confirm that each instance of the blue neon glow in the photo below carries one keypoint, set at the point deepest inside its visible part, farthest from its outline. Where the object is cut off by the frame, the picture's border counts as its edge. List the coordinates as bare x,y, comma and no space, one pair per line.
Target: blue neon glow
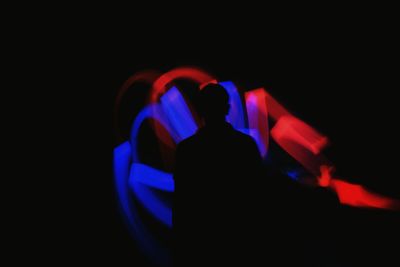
294,175
153,111
236,115
156,206
122,158
148,243
178,114
152,177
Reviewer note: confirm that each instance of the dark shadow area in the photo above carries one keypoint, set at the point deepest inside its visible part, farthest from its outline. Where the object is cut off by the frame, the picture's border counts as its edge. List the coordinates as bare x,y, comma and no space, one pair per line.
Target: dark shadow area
216,203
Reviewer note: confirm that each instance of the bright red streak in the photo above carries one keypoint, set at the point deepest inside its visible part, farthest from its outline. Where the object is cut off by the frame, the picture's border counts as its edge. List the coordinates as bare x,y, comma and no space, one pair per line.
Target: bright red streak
257,114
206,83
354,194
276,110
301,141
197,75
358,196
325,179
289,127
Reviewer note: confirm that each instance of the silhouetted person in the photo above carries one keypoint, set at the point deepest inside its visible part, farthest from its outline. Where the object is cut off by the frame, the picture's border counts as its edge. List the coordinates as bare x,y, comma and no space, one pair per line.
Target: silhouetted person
216,189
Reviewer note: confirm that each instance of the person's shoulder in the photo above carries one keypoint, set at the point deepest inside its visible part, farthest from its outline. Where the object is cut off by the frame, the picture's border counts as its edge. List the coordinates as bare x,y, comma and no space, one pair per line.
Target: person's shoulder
245,141
188,142
245,138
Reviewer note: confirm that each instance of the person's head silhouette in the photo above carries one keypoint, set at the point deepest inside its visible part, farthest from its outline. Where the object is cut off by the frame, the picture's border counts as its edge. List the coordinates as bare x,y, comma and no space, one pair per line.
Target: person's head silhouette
213,103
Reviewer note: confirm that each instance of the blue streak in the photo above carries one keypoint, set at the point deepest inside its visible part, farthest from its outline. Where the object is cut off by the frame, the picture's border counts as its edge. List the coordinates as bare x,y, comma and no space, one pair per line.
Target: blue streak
178,114
236,115
152,177
149,112
148,243
152,203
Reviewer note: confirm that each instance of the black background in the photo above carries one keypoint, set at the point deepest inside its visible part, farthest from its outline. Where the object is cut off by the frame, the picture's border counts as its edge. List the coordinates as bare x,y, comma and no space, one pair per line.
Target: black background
339,76
341,84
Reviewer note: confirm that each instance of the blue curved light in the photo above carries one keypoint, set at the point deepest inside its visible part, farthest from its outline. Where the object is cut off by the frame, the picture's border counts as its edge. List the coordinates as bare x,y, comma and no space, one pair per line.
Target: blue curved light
235,115
153,204
150,245
153,111
178,114
152,177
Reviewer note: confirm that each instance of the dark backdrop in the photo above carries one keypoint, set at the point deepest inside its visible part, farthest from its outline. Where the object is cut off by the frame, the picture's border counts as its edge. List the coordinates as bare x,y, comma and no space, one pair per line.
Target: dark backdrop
337,71
344,87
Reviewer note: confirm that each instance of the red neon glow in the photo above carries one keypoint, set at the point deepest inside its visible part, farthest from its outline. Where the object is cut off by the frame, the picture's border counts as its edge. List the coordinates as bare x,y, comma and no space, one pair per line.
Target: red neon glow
257,114
301,141
358,196
148,76
206,83
194,74
292,128
354,194
297,138
276,110
160,86
325,179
